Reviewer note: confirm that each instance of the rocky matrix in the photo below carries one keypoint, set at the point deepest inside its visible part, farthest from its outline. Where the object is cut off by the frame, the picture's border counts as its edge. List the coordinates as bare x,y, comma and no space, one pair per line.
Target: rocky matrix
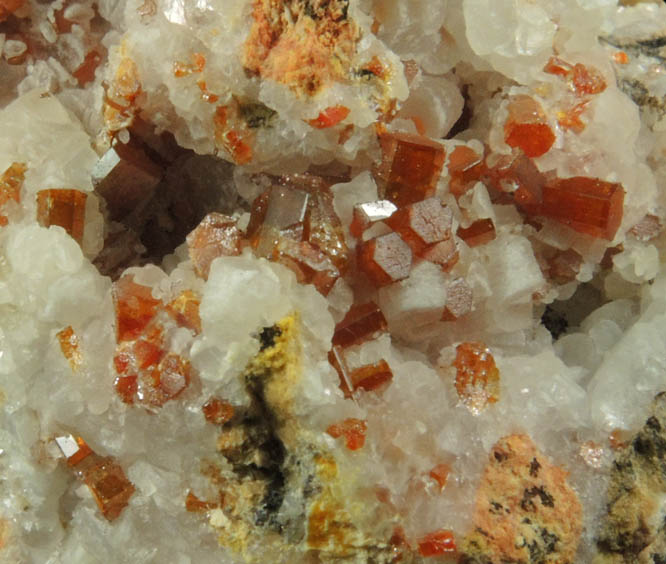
291,281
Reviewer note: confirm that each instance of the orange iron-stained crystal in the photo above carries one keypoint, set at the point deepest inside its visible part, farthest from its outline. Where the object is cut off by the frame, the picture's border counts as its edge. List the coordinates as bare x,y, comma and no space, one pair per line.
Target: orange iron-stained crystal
74,449
217,411
587,205
459,300
558,67
410,167
63,207
169,380
85,72
366,214
477,377
527,126
353,430
361,323
440,473
126,387
135,308
587,80
437,543
465,169
216,236
311,265
422,224
385,259
478,233
69,345
185,311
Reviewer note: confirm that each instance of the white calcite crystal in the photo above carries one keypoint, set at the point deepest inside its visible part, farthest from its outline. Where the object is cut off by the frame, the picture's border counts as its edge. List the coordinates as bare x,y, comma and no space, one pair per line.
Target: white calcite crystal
331,281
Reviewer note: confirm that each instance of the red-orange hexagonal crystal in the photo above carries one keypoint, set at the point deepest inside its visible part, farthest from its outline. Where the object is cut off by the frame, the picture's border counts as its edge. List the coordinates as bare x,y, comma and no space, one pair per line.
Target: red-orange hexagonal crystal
422,224
385,259
527,127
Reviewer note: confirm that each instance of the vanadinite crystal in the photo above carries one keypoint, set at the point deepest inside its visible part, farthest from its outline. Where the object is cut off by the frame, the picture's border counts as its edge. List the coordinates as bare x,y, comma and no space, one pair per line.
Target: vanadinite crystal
368,213
135,308
459,300
465,166
69,345
362,322
587,205
216,236
422,224
385,259
527,126
437,543
477,377
410,167
479,232
63,207
104,477
353,430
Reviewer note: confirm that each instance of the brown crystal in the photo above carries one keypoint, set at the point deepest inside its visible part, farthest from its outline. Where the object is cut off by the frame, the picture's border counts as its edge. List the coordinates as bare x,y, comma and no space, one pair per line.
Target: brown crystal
194,505
587,205
527,126
185,311
477,377
217,411
385,259
437,543
478,233
422,224
85,72
440,473
459,300
135,308
564,266
69,345
63,207
361,323
410,167
216,236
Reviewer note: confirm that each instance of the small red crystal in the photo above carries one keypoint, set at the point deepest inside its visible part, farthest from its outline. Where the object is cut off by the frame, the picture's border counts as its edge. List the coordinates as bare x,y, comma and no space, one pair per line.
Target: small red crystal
422,224
10,186
647,228
63,207
353,430
364,215
437,543
361,323
329,117
465,168
194,505
527,127
440,473
478,233
371,376
385,259
444,253
69,345
564,266
587,205
410,168
587,80
126,387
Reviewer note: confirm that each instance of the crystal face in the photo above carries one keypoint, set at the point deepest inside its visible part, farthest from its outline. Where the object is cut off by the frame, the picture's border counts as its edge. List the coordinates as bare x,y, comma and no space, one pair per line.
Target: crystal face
62,207
527,127
477,376
385,259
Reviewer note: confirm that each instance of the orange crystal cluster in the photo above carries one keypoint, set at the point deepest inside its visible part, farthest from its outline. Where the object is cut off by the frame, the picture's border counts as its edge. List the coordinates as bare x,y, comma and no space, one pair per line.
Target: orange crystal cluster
527,126
477,376
102,474
353,430
10,186
147,372
69,345
437,543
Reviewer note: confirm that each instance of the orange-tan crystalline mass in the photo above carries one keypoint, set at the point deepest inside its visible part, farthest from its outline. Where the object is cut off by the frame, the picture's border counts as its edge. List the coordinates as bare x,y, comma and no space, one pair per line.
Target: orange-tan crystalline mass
305,45
525,510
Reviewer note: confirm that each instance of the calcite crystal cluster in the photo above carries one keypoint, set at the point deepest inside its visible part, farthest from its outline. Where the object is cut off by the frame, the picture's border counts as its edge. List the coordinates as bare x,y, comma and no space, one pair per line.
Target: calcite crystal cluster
332,281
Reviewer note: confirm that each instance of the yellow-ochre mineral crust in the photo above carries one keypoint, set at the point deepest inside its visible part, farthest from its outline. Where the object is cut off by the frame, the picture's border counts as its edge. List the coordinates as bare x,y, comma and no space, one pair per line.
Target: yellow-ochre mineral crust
633,531
526,512
278,486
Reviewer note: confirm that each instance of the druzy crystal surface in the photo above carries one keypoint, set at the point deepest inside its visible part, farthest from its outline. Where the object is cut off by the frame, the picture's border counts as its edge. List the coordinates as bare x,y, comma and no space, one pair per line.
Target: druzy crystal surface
297,281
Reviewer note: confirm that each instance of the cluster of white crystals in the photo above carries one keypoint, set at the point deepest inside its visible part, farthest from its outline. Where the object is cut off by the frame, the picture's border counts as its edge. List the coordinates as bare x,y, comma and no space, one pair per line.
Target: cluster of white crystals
198,70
